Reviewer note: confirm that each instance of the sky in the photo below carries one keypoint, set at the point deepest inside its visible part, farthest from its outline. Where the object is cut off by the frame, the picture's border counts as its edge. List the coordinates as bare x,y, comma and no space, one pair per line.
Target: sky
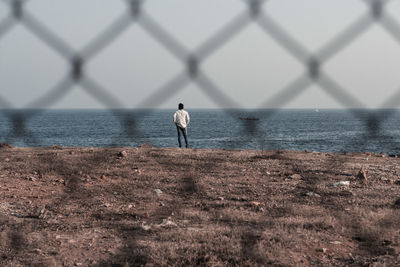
251,67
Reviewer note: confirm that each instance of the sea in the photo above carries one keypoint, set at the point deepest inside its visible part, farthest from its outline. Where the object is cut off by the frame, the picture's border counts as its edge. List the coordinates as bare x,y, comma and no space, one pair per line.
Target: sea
323,130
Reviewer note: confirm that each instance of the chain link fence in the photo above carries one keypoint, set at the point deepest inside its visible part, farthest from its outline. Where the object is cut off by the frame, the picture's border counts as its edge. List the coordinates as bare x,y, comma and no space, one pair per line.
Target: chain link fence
192,60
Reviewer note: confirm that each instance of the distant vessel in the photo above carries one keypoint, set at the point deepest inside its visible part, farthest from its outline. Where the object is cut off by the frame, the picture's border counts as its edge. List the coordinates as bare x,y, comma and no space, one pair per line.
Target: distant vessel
249,118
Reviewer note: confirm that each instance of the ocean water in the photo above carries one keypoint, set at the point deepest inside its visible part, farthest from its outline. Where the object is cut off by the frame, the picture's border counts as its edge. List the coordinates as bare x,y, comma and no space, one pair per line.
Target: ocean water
312,130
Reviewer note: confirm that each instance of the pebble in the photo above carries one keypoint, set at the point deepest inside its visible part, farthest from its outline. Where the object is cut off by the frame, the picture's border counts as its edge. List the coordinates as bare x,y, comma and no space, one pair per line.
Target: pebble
122,154
295,176
158,191
341,183
145,227
312,194
167,222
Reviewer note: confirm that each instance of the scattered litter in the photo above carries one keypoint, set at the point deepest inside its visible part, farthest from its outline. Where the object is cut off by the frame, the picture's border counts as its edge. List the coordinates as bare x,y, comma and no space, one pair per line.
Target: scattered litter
220,198
342,183
323,250
145,227
362,174
312,194
158,191
167,222
40,213
122,154
335,242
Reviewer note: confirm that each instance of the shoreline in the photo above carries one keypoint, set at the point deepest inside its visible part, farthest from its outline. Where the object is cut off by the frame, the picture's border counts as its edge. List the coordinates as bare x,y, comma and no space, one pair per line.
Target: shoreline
4,146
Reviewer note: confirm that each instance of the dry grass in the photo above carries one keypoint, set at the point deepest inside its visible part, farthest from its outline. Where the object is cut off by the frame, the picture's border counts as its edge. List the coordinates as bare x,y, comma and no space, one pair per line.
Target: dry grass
217,208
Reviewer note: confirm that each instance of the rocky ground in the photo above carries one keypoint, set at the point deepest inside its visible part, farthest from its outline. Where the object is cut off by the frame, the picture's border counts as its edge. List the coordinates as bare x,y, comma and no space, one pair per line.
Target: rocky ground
149,206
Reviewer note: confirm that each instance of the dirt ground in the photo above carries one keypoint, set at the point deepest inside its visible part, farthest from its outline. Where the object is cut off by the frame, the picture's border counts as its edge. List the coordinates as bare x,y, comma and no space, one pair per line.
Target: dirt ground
184,207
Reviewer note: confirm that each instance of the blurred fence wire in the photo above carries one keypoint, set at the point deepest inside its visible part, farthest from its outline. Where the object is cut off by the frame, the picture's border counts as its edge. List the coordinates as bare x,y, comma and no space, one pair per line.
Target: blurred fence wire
254,13
192,61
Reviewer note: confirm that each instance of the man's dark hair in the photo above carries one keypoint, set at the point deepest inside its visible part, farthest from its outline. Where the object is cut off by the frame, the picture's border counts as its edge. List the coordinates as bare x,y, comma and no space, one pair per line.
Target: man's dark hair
180,106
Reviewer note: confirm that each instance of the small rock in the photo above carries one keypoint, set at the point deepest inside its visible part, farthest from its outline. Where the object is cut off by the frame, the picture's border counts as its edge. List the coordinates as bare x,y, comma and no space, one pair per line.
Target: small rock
122,154
161,204
130,206
103,177
383,154
220,198
295,176
167,223
31,178
323,250
40,213
158,191
312,194
342,183
145,227
7,160
268,173
255,203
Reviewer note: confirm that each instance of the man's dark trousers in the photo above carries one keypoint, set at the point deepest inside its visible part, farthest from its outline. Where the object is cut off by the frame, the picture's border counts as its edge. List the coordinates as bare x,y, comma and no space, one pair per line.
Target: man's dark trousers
183,130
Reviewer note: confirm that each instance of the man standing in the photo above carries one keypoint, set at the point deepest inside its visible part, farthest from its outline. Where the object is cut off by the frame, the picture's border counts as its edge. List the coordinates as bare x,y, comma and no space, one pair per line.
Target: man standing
181,120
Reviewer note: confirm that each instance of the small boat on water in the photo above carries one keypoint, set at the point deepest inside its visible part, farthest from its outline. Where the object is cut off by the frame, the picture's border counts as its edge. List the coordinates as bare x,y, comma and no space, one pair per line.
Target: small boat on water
249,118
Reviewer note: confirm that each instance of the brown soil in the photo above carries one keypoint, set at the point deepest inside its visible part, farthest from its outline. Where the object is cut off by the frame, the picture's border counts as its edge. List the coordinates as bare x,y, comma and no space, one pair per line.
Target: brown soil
99,207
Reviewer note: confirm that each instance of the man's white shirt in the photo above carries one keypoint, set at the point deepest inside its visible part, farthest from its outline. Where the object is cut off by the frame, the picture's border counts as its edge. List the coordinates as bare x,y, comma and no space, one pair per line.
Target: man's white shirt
181,118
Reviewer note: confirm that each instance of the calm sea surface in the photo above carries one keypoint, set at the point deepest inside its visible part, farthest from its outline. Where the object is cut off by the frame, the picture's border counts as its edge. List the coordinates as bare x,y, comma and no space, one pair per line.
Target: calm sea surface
323,130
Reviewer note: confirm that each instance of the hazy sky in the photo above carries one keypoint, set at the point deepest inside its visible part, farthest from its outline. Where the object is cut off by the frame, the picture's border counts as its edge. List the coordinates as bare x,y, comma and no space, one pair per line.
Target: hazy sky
251,67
